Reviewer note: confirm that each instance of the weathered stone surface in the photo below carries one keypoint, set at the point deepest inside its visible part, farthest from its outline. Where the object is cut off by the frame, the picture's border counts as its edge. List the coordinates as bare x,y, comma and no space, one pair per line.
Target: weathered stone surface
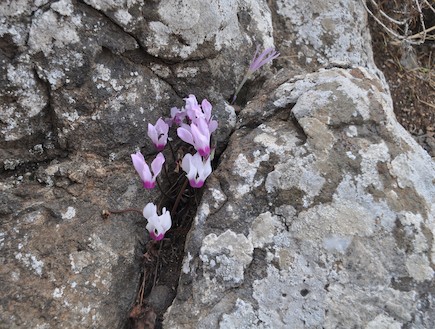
326,206
321,204
62,265
81,80
104,69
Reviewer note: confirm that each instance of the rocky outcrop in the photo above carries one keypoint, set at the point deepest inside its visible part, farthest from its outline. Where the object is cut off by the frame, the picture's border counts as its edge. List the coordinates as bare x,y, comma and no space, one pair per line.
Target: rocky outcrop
321,203
324,207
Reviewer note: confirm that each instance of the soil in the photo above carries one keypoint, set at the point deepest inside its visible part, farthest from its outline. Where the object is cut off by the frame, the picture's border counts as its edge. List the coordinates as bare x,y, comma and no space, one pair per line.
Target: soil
410,73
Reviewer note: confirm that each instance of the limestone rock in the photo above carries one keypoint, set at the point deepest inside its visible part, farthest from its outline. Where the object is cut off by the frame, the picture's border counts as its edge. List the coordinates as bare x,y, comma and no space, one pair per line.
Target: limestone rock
337,201
80,81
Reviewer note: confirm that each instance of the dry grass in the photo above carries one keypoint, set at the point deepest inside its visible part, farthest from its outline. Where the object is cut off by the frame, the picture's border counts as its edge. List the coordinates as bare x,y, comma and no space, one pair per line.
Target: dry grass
403,33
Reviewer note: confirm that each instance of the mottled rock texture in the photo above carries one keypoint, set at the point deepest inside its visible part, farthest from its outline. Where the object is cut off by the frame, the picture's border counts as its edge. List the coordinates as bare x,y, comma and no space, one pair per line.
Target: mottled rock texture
80,81
321,210
321,215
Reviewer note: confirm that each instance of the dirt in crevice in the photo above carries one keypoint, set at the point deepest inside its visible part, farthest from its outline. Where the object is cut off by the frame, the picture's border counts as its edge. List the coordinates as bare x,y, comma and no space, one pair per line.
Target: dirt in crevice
410,74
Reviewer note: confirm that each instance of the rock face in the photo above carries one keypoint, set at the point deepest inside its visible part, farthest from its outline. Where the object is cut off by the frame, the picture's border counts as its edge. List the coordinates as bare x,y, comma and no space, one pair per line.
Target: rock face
320,204
324,207
80,81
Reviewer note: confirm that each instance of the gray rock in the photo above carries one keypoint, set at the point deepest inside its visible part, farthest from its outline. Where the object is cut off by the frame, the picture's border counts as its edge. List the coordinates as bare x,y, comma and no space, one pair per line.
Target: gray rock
323,207
320,212
80,81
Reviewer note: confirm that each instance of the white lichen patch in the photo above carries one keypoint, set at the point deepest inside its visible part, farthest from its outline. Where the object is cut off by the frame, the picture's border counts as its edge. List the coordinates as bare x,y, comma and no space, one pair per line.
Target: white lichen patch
415,170
123,16
413,225
274,142
218,196
243,315
336,243
63,7
31,261
186,72
48,32
58,292
297,173
371,156
71,116
247,170
226,256
70,213
202,213
186,263
263,229
280,302
332,35
383,321
419,268
351,131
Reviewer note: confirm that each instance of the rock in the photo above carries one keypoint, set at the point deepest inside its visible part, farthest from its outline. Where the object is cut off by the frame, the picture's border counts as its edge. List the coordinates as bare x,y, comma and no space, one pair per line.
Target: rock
329,204
321,202
81,81
161,298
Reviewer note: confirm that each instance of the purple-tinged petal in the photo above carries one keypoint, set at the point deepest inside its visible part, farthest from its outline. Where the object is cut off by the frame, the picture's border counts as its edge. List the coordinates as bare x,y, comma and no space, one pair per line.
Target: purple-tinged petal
196,169
138,162
265,57
201,137
156,237
159,133
206,108
185,135
157,164
212,126
141,167
152,133
149,184
157,225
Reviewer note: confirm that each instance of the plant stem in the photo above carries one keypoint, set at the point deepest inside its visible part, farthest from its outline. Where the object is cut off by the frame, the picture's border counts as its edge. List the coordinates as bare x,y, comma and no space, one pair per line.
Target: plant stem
125,210
177,201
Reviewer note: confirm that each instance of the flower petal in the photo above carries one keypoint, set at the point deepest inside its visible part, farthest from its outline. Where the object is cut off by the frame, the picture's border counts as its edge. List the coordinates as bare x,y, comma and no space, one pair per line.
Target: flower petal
185,135
157,164
150,210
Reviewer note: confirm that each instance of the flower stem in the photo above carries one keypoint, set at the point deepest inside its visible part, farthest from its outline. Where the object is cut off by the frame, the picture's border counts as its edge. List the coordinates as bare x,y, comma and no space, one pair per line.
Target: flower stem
245,78
177,201
161,189
108,212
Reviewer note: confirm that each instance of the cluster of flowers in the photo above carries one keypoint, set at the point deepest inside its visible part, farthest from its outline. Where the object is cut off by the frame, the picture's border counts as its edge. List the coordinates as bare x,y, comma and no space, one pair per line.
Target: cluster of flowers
195,126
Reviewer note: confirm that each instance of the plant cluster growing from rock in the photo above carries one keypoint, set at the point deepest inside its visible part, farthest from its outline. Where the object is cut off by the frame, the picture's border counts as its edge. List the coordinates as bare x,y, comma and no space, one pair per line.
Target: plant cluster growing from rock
195,127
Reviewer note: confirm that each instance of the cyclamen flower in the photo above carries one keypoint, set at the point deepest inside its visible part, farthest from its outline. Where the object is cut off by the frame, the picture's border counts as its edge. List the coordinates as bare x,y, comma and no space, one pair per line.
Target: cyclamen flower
196,169
159,134
268,55
195,111
177,116
157,225
197,134
142,168
265,57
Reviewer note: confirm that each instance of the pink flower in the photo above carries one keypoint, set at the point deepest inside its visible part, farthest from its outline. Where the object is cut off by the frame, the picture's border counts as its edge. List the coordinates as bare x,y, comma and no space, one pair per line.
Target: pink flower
265,57
177,116
157,225
149,180
197,134
159,134
193,109
196,169
206,110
